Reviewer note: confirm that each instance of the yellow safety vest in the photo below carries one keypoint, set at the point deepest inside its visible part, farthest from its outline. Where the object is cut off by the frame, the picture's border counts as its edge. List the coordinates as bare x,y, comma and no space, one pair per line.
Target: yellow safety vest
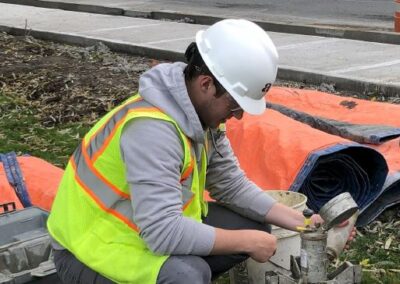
92,212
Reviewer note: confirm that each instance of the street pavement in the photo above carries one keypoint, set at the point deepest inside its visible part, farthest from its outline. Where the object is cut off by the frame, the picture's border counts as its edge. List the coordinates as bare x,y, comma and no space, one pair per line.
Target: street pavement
348,64
368,20
360,14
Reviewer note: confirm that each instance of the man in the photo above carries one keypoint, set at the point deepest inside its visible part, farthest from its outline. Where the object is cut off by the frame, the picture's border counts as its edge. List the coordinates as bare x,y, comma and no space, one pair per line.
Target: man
130,207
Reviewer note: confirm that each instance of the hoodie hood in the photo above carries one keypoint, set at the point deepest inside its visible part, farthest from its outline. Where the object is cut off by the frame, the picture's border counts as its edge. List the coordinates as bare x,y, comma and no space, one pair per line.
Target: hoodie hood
164,87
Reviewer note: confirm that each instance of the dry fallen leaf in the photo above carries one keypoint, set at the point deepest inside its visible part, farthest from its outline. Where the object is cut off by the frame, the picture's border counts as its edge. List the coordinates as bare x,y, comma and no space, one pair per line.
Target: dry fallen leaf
388,242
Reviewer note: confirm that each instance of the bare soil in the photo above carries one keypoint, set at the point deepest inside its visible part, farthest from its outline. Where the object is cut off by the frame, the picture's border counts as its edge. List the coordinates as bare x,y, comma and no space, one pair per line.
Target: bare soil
71,83
67,83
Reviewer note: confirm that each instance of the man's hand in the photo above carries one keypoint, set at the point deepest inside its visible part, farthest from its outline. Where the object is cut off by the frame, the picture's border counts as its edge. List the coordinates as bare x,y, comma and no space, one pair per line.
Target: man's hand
263,245
352,235
259,245
317,219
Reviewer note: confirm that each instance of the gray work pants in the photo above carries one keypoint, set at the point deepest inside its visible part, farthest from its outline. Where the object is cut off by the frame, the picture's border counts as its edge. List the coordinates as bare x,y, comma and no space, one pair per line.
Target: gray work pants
176,269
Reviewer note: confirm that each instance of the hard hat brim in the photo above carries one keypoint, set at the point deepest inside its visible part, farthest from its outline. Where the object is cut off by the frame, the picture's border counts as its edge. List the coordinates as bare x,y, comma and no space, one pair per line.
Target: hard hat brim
255,107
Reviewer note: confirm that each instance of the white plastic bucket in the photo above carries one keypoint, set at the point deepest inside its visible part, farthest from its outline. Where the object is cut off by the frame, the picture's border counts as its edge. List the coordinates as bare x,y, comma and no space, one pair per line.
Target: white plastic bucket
288,241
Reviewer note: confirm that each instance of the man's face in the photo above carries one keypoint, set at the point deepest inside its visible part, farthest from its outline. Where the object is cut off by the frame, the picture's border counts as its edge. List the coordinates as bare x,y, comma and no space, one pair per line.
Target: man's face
218,109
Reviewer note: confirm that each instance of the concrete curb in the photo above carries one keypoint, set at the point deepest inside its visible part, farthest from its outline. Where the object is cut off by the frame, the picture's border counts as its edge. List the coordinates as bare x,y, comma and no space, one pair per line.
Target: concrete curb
68,6
80,40
345,33
340,83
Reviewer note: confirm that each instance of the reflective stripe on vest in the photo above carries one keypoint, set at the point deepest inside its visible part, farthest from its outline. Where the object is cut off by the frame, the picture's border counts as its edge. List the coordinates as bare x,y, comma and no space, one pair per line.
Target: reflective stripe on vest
92,215
100,191
109,197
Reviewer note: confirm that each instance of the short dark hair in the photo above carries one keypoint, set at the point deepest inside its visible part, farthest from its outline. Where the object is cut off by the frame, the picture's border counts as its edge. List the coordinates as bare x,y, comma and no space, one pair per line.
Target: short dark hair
196,66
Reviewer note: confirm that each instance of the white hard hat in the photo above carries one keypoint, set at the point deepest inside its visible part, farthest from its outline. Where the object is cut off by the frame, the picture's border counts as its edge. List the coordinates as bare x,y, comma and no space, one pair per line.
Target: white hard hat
242,58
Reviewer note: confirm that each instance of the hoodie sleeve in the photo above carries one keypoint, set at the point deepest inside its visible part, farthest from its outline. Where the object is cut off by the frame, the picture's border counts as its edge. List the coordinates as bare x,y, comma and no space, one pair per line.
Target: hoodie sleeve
153,154
228,184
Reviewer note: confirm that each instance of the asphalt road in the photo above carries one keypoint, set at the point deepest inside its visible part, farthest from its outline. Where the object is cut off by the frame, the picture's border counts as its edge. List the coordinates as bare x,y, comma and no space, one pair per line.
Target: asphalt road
359,14
316,9
313,11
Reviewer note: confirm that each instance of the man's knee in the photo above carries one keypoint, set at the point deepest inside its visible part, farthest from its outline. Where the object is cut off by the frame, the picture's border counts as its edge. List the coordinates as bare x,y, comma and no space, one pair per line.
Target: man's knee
184,269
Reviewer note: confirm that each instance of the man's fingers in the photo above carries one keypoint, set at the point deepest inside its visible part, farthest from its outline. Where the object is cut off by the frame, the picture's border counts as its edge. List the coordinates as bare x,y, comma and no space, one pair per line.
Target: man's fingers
352,236
343,224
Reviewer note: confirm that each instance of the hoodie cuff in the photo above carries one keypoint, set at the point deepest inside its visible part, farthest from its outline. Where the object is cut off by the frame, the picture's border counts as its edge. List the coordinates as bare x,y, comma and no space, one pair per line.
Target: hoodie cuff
205,240
261,205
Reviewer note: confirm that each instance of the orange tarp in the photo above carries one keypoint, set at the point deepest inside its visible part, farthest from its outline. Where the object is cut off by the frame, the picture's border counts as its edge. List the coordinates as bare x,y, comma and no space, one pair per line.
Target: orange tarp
344,109
7,191
271,149
336,107
41,179
276,152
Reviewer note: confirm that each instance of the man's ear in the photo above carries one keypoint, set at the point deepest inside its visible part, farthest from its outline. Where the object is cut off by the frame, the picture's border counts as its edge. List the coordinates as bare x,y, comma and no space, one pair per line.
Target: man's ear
206,82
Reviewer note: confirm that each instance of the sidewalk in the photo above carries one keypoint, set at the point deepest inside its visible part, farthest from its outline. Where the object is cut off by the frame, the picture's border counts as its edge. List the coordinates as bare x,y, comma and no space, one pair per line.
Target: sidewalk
346,19
349,64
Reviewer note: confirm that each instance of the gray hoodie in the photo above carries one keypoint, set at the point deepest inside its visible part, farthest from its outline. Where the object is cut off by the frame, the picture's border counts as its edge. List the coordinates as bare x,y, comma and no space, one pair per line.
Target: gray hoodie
153,154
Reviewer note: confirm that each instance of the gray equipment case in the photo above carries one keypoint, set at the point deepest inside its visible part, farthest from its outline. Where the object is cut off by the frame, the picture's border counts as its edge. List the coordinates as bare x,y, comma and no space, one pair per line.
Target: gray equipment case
25,248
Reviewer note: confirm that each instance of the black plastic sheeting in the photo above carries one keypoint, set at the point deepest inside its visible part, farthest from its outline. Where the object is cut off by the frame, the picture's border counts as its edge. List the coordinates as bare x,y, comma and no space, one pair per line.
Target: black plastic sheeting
360,133
356,169
389,197
359,170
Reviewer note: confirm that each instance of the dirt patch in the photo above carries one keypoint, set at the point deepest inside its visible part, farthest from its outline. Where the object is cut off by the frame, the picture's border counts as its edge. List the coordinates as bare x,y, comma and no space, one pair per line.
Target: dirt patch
67,83
70,83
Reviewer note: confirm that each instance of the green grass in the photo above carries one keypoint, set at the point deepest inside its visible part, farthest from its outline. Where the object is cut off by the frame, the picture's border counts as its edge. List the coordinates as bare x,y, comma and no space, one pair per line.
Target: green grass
379,262
376,255
21,131
381,278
